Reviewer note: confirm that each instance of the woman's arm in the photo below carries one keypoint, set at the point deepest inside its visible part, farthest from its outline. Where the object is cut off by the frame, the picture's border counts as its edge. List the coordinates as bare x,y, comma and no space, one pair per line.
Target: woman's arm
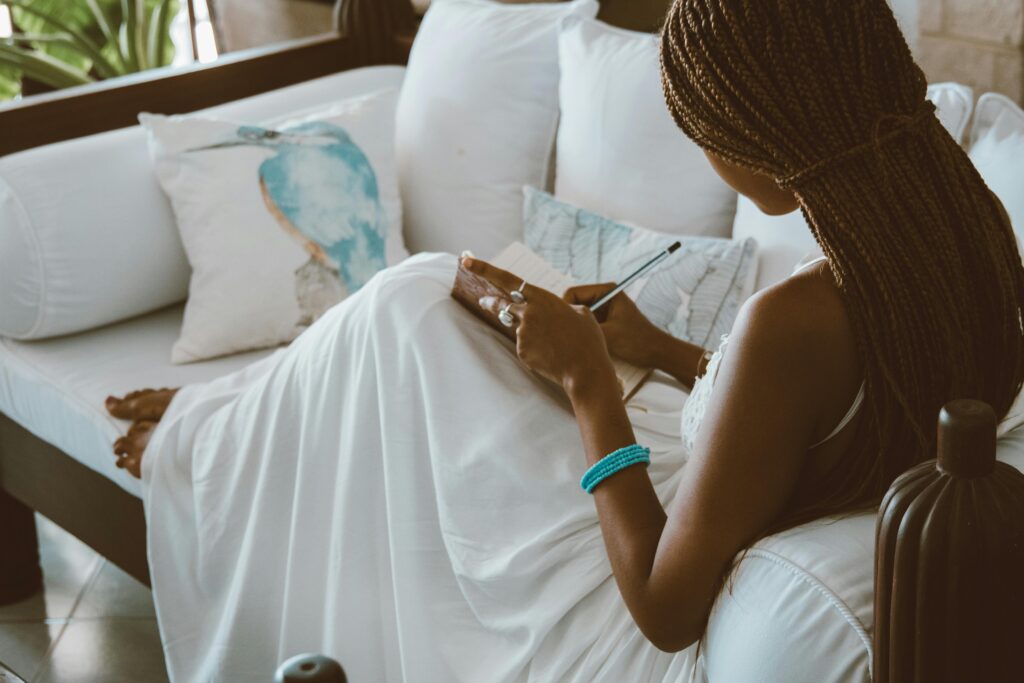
678,358
763,416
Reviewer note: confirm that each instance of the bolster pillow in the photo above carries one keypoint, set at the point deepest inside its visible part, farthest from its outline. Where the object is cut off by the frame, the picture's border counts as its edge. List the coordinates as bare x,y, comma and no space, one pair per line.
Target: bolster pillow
88,238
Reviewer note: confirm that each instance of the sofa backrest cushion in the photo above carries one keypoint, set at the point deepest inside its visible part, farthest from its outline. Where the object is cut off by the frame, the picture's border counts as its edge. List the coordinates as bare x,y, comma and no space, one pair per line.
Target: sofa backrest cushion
619,152
998,153
954,103
477,120
998,115
86,236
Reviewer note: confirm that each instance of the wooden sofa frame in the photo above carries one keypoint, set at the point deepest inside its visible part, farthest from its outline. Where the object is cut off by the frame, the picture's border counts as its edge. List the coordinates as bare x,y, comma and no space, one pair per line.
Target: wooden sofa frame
34,475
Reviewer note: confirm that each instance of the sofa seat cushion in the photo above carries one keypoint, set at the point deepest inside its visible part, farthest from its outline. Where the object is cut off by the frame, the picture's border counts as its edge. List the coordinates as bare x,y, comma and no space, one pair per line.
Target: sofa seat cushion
56,388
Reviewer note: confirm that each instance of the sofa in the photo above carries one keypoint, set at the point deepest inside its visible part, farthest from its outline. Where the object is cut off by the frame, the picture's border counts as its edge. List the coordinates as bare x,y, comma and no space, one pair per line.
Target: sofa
798,608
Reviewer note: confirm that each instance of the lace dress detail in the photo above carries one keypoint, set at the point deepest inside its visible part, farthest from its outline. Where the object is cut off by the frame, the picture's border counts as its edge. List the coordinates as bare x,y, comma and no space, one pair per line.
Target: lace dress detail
697,404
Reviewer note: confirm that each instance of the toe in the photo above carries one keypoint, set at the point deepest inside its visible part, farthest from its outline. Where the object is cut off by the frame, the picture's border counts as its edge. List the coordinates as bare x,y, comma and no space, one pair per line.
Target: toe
134,467
121,408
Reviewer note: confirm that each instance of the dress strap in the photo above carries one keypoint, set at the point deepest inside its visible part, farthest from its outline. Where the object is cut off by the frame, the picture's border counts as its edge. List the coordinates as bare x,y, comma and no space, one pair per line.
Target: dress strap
850,414
807,265
855,408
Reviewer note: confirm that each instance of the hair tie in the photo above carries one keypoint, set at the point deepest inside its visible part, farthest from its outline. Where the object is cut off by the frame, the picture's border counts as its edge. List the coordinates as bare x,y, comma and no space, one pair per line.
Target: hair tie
902,123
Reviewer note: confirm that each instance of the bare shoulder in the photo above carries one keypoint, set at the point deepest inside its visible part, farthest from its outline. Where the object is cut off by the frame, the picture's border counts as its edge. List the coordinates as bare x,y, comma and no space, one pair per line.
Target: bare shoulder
803,322
808,303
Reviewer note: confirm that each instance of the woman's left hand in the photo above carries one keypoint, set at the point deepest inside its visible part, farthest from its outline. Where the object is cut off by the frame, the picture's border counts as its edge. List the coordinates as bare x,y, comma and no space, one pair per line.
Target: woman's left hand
554,338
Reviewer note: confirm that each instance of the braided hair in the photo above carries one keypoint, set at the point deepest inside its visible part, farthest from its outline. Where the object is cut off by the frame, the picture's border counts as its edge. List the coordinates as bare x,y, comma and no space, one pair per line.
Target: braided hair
825,97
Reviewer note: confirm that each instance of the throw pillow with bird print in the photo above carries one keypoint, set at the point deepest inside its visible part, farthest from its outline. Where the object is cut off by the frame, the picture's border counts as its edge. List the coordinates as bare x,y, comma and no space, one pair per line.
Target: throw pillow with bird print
279,223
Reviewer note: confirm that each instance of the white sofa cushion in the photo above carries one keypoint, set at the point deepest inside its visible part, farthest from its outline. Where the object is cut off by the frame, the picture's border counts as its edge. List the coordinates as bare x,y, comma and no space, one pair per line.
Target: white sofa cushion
477,120
619,151
783,241
56,388
954,103
279,224
799,608
998,153
996,114
87,237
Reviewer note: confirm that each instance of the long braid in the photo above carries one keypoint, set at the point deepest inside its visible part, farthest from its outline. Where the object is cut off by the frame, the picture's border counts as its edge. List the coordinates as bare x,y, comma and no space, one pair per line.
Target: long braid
825,97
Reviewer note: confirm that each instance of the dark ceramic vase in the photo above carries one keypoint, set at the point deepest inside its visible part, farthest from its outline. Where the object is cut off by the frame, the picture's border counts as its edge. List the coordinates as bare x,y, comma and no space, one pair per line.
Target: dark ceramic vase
949,575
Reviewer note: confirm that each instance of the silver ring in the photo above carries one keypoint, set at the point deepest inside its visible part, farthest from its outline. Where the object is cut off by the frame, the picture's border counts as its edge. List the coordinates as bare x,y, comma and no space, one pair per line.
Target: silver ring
506,316
517,295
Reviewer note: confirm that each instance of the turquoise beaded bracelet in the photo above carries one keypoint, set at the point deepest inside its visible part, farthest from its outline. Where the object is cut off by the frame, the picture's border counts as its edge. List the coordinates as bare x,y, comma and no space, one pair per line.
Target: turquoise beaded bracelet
614,463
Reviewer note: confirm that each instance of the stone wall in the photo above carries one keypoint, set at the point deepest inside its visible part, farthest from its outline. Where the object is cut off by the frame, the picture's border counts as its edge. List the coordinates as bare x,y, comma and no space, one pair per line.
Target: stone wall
977,42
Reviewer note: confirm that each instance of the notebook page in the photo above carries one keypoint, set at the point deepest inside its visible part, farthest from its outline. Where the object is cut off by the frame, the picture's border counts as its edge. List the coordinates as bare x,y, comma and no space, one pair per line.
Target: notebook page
521,262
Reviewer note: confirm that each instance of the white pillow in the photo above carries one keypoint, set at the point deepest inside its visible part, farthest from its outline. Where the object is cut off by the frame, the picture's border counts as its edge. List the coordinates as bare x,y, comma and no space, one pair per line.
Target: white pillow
997,115
87,237
477,120
999,157
619,151
695,294
279,225
954,103
783,241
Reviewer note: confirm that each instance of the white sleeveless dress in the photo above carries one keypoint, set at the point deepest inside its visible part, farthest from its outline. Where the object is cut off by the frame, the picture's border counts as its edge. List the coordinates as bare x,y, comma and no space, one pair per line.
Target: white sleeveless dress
697,404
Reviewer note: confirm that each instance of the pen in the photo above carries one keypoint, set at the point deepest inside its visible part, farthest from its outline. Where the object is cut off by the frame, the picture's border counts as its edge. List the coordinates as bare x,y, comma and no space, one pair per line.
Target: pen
637,273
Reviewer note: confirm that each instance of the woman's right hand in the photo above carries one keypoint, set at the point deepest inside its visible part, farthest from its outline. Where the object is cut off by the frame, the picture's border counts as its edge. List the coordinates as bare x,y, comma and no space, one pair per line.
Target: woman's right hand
628,334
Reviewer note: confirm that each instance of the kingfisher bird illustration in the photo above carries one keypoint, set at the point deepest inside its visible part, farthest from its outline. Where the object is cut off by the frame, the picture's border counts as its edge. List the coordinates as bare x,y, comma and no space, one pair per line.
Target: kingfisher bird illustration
321,189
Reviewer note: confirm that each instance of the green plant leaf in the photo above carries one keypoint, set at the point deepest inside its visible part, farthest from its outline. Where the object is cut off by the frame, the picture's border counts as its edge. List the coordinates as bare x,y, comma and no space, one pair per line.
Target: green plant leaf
10,83
67,14
90,37
41,38
103,24
43,68
138,33
82,43
126,34
159,33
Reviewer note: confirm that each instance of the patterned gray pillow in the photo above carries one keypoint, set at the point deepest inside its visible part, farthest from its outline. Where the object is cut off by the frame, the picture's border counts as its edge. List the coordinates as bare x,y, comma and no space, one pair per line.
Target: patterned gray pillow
695,294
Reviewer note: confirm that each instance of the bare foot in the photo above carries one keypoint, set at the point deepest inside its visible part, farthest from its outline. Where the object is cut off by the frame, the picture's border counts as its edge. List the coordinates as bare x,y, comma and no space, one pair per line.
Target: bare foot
145,404
129,448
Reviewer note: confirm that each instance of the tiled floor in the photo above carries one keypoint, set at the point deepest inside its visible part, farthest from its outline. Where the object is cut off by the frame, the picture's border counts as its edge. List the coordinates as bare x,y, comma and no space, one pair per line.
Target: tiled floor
92,623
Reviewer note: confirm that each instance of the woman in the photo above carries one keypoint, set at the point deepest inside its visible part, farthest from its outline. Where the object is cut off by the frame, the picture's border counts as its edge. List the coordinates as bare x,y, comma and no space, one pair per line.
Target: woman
829,387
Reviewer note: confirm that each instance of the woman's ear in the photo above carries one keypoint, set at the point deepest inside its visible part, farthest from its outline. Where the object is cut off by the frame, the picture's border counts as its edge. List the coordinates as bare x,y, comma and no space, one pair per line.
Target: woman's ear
761,189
